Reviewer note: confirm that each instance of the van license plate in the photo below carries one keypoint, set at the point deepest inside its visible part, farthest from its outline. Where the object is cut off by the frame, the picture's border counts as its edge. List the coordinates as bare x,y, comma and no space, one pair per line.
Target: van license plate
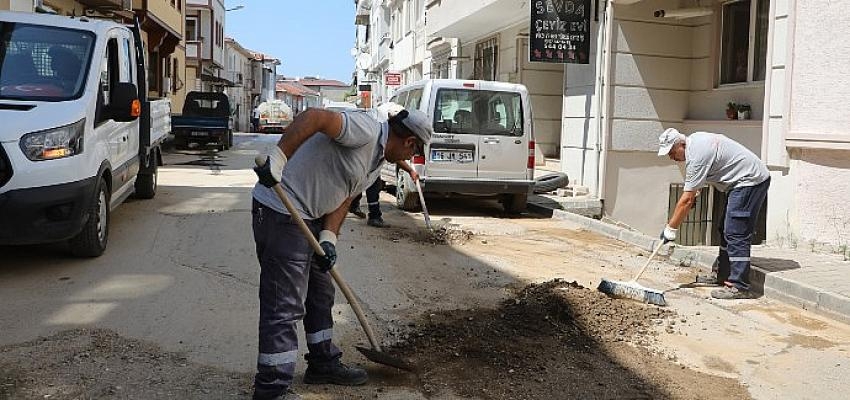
458,156
199,133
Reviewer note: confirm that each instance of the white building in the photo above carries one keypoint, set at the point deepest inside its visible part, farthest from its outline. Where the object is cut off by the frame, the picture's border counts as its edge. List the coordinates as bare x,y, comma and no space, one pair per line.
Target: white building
488,39
238,72
650,71
391,38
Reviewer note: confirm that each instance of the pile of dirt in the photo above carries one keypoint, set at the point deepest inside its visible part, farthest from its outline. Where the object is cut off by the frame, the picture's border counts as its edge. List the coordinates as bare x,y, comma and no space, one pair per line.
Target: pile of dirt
553,338
100,364
444,233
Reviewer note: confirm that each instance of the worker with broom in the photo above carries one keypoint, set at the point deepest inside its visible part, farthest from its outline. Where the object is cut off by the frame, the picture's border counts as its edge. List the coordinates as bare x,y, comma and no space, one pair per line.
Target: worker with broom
715,159
323,159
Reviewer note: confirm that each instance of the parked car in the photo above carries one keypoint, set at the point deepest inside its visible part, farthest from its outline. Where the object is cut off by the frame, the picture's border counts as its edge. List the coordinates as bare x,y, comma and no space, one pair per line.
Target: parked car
274,116
79,134
483,143
205,120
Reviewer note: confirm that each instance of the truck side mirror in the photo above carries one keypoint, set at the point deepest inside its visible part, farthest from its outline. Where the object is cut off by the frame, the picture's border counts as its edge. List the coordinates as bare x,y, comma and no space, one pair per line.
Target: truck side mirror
124,104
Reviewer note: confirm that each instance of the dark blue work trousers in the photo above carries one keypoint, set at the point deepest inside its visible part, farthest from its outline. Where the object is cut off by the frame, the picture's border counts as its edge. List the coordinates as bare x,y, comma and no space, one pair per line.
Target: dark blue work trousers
742,211
373,194
291,289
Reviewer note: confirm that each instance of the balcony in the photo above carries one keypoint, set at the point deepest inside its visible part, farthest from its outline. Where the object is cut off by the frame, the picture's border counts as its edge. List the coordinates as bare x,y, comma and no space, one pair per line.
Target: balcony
193,49
470,20
111,4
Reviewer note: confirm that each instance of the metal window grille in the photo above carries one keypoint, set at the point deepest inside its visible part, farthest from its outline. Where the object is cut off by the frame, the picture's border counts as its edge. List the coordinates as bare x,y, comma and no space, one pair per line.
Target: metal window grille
486,59
696,229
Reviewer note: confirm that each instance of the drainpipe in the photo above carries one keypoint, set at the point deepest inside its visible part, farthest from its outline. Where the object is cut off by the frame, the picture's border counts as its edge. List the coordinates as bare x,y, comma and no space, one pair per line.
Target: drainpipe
603,107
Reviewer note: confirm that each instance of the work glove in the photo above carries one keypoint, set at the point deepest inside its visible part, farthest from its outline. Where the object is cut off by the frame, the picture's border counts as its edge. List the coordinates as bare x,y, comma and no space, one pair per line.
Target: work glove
327,241
271,172
668,234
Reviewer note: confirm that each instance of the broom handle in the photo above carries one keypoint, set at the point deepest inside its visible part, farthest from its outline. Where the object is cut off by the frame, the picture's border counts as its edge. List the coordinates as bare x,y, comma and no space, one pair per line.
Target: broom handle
346,291
660,244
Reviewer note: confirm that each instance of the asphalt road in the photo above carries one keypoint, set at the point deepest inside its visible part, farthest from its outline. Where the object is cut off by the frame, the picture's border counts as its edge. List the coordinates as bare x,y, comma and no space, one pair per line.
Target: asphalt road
181,272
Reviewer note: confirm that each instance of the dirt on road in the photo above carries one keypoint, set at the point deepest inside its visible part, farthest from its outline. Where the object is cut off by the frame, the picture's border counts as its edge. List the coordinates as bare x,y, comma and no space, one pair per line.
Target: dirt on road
555,340
100,364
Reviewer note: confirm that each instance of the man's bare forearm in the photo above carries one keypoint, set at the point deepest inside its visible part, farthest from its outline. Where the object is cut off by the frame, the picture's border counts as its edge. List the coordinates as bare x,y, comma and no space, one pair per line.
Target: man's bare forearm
334,220
307,124
683,206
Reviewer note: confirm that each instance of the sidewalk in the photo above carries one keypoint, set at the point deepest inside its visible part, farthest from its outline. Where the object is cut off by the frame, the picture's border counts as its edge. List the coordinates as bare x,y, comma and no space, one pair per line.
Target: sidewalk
812,281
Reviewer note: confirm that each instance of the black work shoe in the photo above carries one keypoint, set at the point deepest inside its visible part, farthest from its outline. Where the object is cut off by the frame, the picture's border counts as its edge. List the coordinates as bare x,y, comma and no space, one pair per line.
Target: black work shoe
731,293
377,222
358,212
336,373
707,279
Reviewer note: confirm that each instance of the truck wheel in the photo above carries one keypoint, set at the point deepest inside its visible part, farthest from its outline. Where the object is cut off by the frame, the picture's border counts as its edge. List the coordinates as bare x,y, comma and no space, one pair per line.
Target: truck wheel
230,139
146,181
515,203
406,197
91,241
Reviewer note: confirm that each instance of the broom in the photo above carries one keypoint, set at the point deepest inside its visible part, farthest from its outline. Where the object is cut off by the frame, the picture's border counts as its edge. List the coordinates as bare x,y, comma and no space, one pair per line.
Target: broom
633,290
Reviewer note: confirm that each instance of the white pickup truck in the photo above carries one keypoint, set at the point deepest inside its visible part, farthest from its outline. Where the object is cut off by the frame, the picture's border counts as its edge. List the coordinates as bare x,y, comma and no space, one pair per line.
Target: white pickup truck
79,135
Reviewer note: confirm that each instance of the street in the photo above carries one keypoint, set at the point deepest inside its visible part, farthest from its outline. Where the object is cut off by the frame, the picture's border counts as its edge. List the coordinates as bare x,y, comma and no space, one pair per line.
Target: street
170,310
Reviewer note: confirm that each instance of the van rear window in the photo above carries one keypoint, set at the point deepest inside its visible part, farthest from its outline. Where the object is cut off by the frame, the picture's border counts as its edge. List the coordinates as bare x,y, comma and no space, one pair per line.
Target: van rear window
478,112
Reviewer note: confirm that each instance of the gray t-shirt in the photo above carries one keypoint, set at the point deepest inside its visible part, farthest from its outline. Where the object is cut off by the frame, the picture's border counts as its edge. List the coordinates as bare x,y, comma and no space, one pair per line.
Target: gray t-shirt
722,162
324,172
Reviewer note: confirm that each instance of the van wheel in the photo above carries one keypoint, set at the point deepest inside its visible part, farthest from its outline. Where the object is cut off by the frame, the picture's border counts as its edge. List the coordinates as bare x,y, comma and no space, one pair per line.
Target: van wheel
405,197
146,181
515,203
91,241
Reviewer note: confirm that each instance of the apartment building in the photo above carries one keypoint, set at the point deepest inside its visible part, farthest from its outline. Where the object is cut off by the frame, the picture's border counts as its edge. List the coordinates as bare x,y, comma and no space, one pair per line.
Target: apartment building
205,45
238,70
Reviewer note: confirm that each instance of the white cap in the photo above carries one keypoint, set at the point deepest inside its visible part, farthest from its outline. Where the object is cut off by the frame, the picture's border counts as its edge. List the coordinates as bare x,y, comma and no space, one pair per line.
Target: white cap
667,139
387,110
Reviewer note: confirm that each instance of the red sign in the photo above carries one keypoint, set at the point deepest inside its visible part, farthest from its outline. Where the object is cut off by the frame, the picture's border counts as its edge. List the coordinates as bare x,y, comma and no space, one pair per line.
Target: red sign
392,79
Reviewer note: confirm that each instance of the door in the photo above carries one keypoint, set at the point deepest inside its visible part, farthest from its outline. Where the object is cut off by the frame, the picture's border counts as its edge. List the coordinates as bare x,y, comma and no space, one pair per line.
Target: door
122,137
453,152
503,141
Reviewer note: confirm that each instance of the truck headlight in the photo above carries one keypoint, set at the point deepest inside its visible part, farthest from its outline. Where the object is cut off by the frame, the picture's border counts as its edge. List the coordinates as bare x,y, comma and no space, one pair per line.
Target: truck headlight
65,141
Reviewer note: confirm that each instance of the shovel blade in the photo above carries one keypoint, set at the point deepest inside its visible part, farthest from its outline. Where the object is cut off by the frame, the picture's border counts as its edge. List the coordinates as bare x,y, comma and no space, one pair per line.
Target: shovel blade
385,359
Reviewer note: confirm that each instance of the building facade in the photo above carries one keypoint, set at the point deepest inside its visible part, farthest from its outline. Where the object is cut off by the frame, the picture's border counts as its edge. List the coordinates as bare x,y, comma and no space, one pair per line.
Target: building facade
205,45
238,62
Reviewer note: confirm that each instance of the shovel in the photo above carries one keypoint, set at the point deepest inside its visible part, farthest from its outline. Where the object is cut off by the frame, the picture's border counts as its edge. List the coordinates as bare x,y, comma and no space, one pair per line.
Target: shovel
374,354
424,207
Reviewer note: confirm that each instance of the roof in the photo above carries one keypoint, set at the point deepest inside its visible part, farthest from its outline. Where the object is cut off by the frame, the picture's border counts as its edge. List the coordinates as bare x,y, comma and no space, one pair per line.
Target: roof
294,88
322,82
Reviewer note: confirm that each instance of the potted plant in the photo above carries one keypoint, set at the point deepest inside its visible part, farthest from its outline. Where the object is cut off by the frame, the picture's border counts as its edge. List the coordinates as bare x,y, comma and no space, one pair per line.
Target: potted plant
744,111
731,110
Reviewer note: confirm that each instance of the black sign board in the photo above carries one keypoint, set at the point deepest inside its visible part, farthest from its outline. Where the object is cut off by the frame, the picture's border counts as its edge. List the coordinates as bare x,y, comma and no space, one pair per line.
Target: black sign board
560,31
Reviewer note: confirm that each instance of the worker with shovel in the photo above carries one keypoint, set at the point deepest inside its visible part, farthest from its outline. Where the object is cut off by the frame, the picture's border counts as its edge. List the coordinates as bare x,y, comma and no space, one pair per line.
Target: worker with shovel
730,167
373,193
323,160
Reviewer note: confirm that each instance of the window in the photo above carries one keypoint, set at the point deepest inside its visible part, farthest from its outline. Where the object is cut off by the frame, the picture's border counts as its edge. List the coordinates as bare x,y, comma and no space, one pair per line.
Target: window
486,58
43,63
743,49
413,99
191,29
478,112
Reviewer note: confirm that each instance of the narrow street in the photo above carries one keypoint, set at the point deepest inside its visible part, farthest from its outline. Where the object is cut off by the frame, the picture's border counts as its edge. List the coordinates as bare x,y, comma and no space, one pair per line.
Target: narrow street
170,311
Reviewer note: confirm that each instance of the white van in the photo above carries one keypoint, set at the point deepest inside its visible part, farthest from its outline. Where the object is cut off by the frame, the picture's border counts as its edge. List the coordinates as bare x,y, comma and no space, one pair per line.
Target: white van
483,143
79,135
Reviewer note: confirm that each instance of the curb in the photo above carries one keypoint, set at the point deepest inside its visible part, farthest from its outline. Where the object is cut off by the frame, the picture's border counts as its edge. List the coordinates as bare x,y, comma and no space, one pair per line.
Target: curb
775,287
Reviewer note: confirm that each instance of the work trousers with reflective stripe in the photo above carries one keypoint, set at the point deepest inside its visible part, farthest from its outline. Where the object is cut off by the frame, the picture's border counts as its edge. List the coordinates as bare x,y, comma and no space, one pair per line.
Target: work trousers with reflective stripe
373,194
742,211
291,289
